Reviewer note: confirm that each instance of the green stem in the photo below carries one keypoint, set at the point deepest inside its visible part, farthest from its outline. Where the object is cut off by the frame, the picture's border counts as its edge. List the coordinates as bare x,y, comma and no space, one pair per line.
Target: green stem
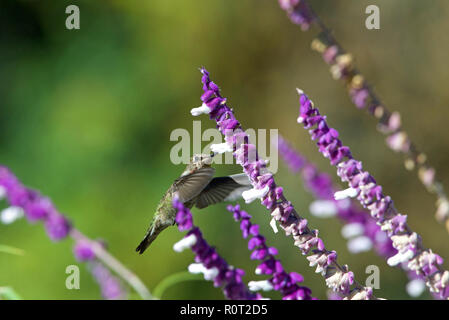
174,279
11,250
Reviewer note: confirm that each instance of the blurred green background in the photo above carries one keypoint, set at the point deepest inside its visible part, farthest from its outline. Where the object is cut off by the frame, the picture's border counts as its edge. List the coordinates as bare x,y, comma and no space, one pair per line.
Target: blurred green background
86,116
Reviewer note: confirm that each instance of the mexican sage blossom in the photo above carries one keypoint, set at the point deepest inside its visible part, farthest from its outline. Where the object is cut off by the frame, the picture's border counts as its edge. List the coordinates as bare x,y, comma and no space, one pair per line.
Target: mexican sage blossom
363,96
338,277
298,11
37,208
411,253
111,287
361,230
285,283
208,261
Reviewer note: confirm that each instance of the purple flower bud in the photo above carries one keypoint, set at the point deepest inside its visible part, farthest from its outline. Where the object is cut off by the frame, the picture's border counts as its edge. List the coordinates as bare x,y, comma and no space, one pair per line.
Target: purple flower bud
57,226
359,97
83,251
111,288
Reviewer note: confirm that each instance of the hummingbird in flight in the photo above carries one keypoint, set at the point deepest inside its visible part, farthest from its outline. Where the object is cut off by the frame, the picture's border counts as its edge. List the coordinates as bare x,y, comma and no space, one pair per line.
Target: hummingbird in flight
195,187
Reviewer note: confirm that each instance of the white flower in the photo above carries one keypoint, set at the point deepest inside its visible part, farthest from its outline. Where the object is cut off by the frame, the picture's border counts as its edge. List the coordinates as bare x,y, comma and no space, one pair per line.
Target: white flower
360,244
203,109
253,194
185,243
416,287
400,257
333,281
323,208
273,225
221,148
347,193
11,214
364,294
264,285
352,230
209,274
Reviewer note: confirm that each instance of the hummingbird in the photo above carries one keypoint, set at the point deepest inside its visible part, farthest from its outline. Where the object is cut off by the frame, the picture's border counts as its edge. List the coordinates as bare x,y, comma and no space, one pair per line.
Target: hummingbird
195,187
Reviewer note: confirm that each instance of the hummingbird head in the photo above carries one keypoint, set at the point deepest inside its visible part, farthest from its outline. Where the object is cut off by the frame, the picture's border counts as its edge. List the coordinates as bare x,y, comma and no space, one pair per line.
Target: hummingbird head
201,160
198,161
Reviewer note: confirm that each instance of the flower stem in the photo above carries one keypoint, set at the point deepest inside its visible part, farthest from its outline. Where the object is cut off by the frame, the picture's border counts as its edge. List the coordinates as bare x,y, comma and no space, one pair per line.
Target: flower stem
110,261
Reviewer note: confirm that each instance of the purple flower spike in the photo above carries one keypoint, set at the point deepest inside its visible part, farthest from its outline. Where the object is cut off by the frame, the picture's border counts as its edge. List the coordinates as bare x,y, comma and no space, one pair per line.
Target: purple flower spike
265,188
298,12
57,226
83,251
285,283
35,206
410,249
364,97
321,186
40,208
209,262
111,288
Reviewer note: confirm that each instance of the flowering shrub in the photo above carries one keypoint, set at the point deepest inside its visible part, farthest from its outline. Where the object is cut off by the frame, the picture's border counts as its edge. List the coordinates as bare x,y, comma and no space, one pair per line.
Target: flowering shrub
368,216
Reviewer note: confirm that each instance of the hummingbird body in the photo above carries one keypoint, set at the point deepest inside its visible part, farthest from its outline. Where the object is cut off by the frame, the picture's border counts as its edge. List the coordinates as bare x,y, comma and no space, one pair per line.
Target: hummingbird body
196,186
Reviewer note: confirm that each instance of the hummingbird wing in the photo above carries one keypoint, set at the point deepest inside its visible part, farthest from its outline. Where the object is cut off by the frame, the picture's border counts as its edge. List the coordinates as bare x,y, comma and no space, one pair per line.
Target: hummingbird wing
223,189
189,186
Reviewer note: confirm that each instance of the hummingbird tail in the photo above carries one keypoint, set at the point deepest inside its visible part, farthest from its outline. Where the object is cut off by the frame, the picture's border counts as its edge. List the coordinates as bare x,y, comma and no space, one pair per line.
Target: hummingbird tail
151,235
149,238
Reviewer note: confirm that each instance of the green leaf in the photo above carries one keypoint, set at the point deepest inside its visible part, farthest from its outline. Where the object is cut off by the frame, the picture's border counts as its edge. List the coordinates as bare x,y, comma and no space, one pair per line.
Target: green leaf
174,279
11,250
8,293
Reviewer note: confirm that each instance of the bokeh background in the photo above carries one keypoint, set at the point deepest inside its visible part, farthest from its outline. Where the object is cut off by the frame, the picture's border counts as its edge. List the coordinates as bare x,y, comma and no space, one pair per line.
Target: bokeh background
86,116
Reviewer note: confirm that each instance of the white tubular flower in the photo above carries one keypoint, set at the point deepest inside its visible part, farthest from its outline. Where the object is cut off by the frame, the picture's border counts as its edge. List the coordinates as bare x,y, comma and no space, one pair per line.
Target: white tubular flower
264,285
405,245
347,193
323,208
185,243
197,268
11,214
416,287
320,261
253,194
203,109
273,225
351,230
333,281
365,294
360,244
221,148
401,256
210,274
